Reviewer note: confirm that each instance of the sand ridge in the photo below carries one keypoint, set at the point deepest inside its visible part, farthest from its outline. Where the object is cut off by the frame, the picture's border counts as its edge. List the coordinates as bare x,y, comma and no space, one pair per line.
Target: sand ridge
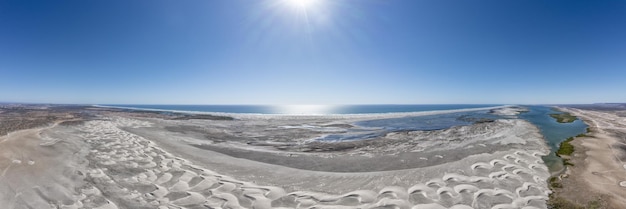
104,163
164,180
603,159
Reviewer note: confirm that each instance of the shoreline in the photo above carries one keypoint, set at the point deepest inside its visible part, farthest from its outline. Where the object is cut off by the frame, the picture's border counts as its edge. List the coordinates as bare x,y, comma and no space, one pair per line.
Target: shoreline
314,116
597,165
123,160
565,158
553,133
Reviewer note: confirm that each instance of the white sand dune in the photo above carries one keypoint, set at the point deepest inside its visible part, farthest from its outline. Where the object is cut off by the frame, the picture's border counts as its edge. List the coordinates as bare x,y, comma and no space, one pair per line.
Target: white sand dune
124,170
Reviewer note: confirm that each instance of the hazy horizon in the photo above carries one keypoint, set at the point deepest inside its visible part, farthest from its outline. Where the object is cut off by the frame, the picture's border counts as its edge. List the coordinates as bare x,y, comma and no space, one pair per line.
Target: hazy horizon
312,52
310,104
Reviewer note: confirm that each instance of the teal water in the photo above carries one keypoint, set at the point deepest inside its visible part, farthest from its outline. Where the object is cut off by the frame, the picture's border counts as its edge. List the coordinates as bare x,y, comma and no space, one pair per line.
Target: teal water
553,132
373,128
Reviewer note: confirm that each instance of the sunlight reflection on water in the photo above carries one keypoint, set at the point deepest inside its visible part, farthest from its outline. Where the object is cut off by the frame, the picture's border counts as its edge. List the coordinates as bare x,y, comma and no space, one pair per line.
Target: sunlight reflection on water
304,109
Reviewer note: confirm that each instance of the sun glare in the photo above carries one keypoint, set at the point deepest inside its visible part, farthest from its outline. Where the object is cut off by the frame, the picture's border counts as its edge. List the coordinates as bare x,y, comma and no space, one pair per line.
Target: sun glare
302,4
304,109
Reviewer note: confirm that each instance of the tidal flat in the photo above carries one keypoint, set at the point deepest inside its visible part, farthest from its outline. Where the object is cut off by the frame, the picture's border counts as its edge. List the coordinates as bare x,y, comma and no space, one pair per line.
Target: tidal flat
96,157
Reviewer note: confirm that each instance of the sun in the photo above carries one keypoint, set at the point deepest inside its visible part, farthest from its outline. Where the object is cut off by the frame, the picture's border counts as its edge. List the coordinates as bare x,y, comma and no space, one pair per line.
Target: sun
302,4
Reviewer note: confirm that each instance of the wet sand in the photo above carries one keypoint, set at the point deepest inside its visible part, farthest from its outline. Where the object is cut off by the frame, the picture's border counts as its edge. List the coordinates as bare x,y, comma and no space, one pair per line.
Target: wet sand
117,159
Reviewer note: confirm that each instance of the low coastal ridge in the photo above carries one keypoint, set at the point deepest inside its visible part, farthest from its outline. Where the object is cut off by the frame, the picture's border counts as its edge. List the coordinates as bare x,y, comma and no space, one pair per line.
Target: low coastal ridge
595,161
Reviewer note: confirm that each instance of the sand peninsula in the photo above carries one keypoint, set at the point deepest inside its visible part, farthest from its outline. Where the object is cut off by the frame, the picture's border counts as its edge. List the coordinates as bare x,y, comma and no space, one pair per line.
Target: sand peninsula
95,157
598,160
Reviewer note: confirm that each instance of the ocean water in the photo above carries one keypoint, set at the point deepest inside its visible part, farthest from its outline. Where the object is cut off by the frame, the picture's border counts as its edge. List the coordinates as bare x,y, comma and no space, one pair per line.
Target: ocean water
429,122
553,132
364,129
305,109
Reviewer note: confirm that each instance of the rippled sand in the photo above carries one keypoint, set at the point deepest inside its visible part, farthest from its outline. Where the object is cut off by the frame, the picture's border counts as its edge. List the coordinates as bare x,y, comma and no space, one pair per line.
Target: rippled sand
119,161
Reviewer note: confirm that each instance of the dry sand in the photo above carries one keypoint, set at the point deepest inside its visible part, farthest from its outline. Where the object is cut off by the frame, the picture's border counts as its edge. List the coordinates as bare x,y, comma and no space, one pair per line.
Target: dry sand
120,161
599,160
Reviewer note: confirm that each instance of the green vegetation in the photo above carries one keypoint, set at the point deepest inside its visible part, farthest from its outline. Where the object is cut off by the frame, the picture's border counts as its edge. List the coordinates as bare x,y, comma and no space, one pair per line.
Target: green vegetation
555,183
556,202
566,162
596,204
565,148
563,117
561,203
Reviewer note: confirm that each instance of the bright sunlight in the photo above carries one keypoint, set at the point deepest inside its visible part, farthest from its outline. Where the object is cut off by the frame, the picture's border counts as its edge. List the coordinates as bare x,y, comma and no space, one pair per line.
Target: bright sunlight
302,4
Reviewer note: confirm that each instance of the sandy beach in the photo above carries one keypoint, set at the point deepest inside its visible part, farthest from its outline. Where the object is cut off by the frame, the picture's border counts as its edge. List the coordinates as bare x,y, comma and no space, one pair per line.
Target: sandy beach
120,159
599,160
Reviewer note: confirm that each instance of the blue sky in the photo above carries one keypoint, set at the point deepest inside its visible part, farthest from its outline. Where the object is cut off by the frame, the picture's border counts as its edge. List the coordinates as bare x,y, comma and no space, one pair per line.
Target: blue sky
330,52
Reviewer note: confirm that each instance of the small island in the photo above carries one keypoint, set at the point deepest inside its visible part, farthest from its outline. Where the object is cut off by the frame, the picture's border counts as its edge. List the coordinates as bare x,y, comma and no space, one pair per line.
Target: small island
565,148
563,117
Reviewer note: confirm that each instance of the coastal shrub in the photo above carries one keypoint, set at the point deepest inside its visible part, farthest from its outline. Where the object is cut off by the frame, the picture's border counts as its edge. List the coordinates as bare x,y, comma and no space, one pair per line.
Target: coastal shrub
567,163
596,204
556,202
554,182
561,203
563,117
565,148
